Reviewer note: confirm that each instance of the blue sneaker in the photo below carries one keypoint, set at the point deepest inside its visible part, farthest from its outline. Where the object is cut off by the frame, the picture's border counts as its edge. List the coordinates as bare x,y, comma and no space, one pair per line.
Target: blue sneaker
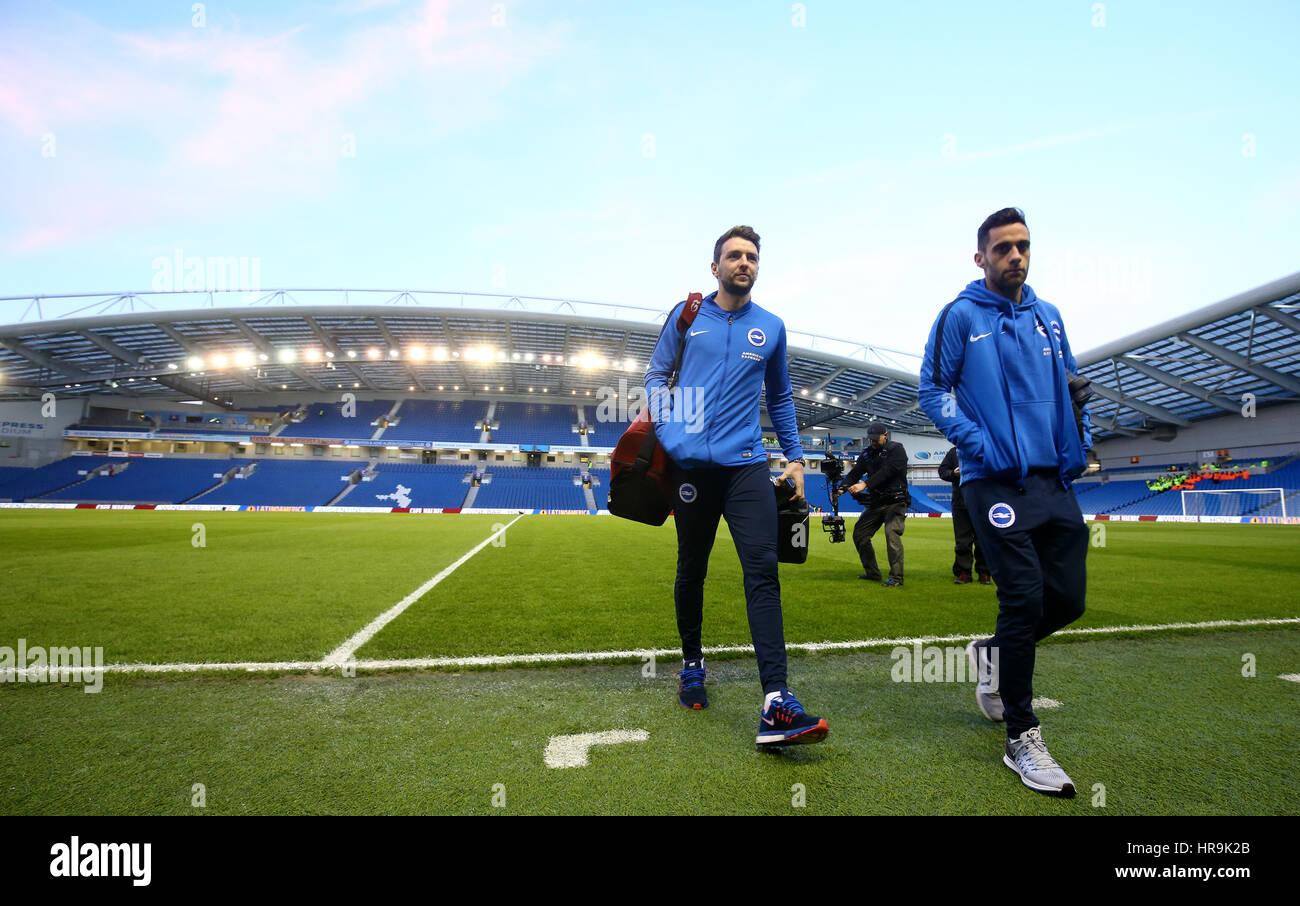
784,722
690,694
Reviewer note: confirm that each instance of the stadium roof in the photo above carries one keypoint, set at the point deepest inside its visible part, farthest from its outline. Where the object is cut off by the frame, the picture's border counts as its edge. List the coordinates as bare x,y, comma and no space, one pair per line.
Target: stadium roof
217,345
396,343
1201,364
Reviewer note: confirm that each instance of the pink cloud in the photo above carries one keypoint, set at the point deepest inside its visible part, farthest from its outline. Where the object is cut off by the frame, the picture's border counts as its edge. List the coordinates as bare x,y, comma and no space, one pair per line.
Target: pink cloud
41,238
227,116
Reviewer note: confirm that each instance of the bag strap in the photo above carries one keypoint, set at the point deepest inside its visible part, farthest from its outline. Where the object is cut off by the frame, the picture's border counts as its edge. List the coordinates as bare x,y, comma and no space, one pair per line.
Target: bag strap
647,451
938,344
690,308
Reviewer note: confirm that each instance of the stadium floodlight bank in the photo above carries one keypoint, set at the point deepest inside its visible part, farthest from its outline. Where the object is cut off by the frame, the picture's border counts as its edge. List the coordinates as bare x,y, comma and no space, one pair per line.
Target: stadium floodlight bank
1236,502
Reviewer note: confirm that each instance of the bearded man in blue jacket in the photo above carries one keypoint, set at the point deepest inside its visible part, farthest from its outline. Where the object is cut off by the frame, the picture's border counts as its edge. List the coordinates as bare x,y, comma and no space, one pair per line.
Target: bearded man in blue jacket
708,424
995,381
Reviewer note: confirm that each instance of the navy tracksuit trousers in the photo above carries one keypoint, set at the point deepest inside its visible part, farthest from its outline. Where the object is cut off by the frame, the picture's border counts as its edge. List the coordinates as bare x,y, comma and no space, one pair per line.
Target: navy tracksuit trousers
1036,543
743,494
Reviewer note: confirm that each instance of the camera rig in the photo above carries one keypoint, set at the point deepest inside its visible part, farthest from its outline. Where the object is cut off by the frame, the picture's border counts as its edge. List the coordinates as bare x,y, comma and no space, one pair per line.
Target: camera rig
833,522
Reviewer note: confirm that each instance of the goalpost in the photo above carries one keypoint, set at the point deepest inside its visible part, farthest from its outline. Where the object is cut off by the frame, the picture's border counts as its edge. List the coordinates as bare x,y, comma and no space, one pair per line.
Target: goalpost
1238,502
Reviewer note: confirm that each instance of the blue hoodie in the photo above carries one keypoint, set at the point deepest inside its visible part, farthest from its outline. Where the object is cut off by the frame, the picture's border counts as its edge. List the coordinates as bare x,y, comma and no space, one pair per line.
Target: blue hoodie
1005,365
711,417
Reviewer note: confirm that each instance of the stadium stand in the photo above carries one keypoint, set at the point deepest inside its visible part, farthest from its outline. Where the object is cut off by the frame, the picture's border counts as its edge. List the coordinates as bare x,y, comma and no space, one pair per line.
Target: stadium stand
922,503
10,472
33,483
328,420
413,485
446,420
527,423
284,482
940,495
1170,502
527,487
149,481
606,433
276,483
814,489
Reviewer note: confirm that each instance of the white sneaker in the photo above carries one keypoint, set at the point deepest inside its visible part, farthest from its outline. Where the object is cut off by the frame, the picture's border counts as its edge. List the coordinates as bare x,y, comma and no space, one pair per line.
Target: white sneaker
1028,757
989,700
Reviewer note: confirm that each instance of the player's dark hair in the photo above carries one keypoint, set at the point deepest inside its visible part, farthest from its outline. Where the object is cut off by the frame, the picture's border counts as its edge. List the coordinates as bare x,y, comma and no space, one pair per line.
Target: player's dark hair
744,232
997,219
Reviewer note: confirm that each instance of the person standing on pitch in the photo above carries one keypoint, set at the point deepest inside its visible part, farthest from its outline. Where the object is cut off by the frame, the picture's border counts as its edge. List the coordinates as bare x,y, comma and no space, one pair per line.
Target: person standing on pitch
884,462
995,381
708,424
963,532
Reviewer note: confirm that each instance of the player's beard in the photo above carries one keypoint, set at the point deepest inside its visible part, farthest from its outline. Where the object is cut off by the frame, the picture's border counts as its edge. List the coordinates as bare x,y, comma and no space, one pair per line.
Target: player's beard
740,290
1008,288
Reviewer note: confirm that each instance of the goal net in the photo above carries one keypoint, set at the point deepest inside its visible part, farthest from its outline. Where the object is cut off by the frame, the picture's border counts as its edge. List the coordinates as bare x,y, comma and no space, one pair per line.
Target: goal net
1252,502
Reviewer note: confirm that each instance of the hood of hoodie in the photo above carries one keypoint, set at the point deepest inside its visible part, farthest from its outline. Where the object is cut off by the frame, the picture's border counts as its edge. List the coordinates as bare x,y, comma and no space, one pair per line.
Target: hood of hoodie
977,292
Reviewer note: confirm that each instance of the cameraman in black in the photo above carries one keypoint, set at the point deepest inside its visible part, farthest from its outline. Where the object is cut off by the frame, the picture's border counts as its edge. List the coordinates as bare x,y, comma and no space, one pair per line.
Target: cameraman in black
962,530
884,463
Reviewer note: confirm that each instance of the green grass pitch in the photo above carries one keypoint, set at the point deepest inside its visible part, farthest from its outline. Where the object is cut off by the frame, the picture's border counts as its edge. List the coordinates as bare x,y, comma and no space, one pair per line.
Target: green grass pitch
1157,723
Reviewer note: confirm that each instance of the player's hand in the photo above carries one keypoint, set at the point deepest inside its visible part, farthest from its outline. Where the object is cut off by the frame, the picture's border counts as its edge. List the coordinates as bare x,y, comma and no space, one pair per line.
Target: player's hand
794,470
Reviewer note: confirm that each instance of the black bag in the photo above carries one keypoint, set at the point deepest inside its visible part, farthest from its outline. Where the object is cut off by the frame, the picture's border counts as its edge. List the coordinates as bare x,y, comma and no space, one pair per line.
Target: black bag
791,524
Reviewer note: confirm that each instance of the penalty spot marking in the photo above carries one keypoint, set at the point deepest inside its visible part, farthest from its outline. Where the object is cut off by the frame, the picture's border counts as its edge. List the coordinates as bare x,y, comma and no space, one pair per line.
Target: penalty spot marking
344,652
10,674
1044,704
571,751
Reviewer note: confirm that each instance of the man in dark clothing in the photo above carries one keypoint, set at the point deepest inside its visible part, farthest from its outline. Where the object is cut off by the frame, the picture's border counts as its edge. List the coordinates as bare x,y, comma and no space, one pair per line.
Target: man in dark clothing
962,530
884,493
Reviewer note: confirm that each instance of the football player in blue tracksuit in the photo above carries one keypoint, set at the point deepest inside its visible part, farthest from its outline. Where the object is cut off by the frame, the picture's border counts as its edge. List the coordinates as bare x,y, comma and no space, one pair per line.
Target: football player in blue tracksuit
708,424
994,380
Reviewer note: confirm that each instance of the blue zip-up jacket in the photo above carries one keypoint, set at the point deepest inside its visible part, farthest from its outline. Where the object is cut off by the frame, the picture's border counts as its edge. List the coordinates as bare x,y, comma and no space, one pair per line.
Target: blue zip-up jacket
711,417
1005,366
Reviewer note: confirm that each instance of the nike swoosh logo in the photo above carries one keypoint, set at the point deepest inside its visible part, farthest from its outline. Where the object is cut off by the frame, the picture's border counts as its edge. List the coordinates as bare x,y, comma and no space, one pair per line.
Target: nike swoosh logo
770,723
973,338
696,333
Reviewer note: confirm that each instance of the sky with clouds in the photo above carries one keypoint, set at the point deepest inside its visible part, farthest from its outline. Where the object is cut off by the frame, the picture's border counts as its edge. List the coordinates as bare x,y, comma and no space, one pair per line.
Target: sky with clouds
594,150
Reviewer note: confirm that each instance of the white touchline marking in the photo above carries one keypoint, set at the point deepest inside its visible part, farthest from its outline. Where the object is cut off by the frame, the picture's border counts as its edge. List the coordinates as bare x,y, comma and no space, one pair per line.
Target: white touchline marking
1044,704
8,674
571,751
1290,677
341,654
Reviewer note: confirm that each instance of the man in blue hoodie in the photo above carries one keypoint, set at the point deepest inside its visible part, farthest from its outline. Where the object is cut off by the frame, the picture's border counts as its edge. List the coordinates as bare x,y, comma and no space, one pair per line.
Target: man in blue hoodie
708,424
994,380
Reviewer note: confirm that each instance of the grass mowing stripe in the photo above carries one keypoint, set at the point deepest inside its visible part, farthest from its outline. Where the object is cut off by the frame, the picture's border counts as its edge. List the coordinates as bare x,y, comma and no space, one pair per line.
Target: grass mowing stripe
279,587
561,657
574,583
339,655
1166,723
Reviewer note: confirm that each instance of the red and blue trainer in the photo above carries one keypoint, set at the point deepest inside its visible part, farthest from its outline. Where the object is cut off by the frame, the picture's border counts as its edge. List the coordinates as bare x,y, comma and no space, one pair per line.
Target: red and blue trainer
784,722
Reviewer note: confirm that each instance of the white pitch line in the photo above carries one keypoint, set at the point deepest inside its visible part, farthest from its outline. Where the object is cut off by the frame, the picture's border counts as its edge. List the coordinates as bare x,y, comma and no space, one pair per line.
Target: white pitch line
571,751
1044,704
341,654
1290,677
631,654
